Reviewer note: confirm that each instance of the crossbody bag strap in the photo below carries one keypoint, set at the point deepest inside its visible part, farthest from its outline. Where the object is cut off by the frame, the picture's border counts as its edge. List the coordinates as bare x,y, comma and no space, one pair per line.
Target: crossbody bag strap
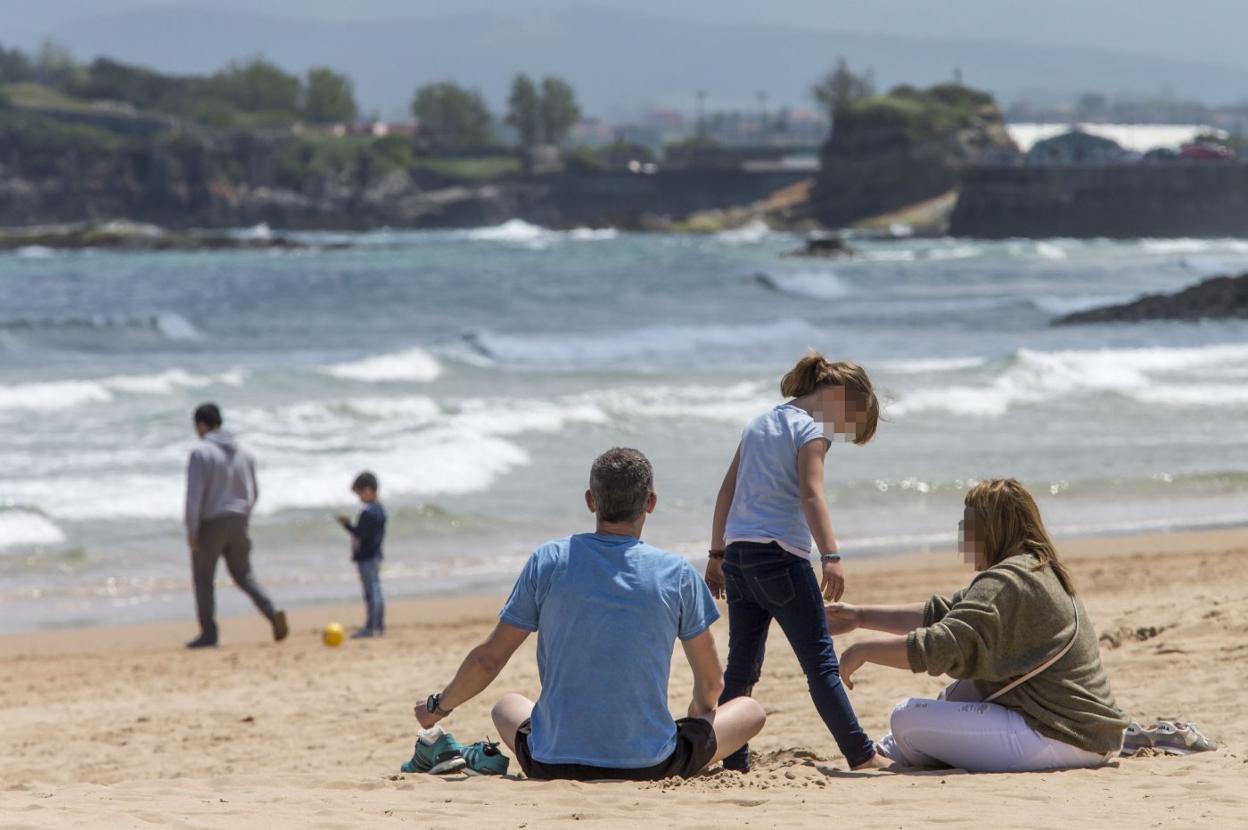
1018,681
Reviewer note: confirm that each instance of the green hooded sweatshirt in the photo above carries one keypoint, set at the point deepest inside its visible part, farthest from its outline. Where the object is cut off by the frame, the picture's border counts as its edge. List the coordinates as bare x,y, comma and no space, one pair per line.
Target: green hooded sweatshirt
1011,619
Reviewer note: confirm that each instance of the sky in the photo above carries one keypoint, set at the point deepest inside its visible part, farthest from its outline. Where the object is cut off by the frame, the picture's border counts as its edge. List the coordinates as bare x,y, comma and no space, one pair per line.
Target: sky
1192,48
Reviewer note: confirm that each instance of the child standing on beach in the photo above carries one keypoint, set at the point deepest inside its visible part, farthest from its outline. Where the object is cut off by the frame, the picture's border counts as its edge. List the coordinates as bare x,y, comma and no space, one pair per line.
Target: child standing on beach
367,533
770,504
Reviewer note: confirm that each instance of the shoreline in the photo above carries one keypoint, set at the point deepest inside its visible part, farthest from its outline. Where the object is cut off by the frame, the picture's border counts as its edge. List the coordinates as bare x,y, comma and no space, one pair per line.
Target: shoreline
248,629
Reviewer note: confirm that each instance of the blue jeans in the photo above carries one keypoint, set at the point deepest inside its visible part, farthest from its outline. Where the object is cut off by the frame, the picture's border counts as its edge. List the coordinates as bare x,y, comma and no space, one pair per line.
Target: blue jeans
370,578
766,582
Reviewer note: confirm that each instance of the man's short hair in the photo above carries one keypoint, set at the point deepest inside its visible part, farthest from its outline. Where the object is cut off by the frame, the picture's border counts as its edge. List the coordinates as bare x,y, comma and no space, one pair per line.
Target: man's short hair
208,414
621,480
364,481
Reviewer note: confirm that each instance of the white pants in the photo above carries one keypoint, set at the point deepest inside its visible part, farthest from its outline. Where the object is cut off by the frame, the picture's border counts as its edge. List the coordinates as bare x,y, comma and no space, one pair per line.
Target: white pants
979,737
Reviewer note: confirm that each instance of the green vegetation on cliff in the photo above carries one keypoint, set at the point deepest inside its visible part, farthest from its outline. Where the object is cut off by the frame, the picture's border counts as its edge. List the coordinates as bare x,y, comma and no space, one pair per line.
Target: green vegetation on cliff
920,114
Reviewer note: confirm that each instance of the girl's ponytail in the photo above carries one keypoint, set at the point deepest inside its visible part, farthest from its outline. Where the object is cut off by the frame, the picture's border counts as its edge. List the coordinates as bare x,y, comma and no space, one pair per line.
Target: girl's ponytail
806,376
814,371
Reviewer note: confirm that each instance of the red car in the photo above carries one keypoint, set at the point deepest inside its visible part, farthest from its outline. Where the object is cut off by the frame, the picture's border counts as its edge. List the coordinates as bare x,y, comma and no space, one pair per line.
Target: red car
1200,151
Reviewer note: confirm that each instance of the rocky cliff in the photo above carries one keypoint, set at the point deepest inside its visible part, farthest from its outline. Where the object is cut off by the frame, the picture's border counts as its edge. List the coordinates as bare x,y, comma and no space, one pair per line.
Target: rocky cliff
890,151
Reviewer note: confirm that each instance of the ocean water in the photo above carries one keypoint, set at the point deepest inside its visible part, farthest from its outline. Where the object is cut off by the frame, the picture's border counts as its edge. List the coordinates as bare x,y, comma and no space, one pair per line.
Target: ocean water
479,372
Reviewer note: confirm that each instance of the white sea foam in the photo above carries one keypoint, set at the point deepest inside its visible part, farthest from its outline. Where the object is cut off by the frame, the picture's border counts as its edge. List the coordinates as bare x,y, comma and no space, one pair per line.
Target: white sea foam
1034,377
35,252
21,528
410,365
751,233
954,252
47,396
513,230
818,285
1050,250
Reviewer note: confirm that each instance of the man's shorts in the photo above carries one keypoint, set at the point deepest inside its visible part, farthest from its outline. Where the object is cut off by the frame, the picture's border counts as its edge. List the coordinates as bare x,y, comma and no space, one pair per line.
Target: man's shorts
695,747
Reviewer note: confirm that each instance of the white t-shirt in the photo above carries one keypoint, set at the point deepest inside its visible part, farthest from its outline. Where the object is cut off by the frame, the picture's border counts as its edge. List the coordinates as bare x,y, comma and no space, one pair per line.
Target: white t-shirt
767,504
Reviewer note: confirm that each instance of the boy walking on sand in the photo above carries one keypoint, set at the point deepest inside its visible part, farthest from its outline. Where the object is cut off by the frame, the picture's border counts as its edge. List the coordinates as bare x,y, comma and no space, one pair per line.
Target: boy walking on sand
366,536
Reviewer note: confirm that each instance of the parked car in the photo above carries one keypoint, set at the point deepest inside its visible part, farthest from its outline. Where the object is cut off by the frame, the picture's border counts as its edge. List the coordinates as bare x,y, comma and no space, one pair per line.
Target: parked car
1204,151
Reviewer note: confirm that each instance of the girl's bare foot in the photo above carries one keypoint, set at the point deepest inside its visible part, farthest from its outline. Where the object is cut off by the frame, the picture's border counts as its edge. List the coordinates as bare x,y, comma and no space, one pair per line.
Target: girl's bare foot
877,761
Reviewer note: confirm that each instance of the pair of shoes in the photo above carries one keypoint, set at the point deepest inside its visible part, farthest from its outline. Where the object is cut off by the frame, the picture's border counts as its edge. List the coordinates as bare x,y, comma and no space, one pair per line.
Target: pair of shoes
362,634
203,641
1168,737
485,758
280,628
437,753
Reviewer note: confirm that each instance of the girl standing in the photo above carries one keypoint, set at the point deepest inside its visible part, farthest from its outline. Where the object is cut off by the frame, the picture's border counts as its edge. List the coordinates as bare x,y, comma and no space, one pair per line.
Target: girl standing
770,505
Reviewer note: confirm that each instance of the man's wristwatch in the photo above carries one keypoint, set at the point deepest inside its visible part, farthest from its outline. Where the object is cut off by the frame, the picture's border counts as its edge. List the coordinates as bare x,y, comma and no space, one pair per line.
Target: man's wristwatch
433,704
715,554
829,557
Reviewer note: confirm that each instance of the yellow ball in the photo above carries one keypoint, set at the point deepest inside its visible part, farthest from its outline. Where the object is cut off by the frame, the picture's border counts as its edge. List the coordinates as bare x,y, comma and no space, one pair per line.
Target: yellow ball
333,634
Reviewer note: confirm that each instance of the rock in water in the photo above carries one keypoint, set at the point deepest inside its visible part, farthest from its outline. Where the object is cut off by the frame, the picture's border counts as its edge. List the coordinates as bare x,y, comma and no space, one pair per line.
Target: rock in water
1218,297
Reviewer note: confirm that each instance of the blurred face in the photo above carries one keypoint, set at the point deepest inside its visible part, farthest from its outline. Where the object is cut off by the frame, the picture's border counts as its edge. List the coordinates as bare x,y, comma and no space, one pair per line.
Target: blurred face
841,414
200,429
970,543
367,495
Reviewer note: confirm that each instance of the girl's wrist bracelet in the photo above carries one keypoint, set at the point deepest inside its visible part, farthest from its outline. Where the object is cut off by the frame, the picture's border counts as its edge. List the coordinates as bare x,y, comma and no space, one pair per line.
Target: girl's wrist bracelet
829,557
715,554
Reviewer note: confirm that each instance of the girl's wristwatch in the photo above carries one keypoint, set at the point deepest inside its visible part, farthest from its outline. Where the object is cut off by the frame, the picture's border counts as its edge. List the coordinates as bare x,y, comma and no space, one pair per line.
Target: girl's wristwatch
715,554
829,557
433,705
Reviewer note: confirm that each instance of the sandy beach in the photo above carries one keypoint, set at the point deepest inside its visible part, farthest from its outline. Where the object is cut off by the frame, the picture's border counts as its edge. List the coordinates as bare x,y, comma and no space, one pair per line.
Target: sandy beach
122,728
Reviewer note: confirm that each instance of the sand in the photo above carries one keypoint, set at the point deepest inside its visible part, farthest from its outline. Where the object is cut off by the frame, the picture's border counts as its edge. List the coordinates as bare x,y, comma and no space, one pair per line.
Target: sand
121,728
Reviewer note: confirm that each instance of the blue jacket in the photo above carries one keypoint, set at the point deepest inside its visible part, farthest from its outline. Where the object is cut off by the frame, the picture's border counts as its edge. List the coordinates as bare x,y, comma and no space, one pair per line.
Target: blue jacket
369,530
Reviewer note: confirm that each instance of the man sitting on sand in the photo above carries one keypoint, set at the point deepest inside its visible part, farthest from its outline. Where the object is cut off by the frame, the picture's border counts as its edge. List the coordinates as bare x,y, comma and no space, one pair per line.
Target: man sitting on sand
607,608
221,491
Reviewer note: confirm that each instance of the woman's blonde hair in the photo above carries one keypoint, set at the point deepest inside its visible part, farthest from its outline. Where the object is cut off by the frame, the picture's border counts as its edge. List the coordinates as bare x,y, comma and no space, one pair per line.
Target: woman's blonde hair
814,372
1007,522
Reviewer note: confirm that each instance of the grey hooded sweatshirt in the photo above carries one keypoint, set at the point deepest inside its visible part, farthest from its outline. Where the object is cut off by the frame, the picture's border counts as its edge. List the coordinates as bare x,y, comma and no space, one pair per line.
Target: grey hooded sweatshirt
220,481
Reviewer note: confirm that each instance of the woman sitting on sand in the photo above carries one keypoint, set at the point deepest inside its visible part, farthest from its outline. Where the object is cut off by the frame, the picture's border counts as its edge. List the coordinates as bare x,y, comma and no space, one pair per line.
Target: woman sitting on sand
1017,639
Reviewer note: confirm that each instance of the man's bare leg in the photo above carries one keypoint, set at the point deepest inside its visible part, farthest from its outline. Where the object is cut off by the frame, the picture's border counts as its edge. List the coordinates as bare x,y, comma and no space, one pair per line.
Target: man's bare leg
511,711
735,723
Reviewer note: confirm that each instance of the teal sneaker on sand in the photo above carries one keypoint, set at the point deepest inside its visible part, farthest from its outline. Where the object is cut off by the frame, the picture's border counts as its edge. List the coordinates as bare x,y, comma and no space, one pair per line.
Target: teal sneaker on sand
437,753
485,758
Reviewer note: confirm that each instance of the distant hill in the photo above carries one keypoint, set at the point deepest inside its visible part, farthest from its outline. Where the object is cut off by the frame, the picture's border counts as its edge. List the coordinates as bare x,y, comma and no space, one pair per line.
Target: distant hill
619,60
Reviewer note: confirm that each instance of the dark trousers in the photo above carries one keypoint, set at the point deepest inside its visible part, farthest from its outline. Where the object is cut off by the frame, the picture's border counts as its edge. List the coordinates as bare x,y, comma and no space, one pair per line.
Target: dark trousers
374,602
224,537
765,582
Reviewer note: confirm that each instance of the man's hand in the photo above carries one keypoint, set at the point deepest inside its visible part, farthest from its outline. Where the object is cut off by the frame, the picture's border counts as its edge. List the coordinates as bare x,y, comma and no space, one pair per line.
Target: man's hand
342,520
833,585
715,577
192,543
852,659
842,617
426,718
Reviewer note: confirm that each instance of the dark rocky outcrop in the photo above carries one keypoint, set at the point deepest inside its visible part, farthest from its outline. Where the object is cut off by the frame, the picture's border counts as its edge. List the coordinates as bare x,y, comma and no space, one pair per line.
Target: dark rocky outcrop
890,151
824,247
1219,297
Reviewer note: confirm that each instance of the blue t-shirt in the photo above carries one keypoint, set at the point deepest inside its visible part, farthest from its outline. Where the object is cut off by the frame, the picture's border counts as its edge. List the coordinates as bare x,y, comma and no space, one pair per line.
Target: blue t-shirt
767,503
607,610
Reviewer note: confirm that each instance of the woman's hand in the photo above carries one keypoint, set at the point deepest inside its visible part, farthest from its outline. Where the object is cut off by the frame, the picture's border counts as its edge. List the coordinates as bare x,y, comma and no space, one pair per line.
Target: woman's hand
426,718
715,577
852,659
842,617
833,585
